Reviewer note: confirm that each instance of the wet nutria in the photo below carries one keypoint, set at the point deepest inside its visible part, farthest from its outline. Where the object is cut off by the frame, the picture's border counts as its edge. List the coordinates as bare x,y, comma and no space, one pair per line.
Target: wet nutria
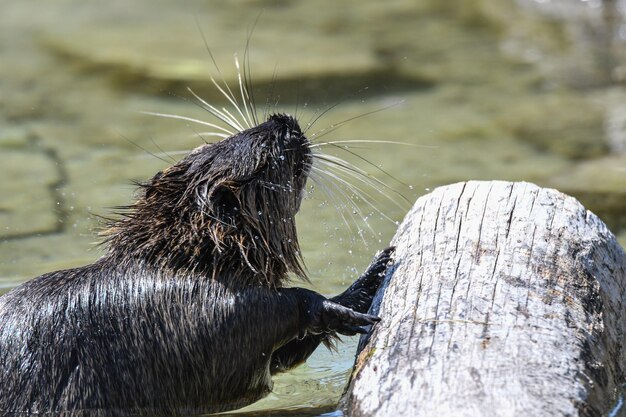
187,312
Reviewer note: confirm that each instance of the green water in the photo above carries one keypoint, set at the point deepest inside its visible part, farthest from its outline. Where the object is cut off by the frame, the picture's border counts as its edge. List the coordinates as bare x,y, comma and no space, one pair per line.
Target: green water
491,89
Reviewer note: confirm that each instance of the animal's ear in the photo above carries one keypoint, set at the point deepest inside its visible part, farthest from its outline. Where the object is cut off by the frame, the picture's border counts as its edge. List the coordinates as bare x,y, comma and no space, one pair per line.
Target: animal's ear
225,204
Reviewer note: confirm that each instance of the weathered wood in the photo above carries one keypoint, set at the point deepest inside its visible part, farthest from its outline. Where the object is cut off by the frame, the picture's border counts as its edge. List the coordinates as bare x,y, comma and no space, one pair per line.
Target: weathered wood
506,299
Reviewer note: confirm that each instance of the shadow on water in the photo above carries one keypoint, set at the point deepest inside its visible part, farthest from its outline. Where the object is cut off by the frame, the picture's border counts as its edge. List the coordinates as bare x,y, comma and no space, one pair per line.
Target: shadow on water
320,87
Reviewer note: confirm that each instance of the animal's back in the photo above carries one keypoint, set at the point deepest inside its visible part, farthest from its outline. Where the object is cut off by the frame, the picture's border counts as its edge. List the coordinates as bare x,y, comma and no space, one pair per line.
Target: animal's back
80,339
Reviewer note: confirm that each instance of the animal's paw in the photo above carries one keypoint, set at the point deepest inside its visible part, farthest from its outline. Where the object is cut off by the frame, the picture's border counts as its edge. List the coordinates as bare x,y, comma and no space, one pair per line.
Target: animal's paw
375,272
335,318
360,294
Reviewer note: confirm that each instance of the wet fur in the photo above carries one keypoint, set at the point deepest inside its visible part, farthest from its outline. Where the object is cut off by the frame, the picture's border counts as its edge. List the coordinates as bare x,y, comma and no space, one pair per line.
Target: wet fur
187,313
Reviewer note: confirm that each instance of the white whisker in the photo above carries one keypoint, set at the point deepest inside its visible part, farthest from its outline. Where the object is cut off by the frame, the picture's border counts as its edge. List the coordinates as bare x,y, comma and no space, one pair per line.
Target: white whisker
350,204
384,142
361,194
226,118
219,135
334,179
244,97
348,167
336,126
241,128
365,180
317,178
231,98
189,119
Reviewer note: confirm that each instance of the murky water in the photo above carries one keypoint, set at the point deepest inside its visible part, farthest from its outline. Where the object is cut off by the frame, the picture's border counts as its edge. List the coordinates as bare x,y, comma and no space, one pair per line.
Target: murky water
491,89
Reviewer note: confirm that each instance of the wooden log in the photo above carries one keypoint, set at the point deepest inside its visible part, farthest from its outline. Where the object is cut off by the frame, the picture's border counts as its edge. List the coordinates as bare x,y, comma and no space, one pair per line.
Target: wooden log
505,299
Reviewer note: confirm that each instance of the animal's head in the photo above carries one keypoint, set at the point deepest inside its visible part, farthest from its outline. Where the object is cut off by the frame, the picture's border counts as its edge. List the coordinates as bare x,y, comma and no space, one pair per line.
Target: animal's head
228,203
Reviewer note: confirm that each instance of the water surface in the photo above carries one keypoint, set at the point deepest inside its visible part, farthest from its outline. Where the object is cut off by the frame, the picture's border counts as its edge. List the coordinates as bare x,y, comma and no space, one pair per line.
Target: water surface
513,90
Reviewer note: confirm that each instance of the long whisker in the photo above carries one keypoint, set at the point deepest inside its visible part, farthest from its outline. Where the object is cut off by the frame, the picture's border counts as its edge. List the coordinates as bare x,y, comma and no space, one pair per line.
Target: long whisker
247,73
225,110
308,124
359,173
206,142
333,199
163,152
217,68
244,95
361,194
144,149
385,142
359,191
331,107
376,167
170,153
219,135
231,121
315,118
352,207
331,192
188,119
226,118
337,125
356,209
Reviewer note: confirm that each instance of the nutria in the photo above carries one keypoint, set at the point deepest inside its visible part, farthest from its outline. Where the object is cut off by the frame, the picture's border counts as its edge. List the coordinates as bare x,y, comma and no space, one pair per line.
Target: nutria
187,312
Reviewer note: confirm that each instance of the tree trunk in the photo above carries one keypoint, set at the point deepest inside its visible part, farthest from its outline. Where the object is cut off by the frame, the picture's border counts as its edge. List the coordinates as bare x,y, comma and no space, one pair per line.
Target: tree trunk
505,299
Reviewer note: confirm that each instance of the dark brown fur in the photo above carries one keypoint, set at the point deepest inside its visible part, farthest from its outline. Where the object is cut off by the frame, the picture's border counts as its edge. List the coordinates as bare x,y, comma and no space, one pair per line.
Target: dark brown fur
187,313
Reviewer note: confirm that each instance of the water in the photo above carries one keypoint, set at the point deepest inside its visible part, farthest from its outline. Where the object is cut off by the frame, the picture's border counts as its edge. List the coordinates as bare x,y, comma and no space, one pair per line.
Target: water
492,89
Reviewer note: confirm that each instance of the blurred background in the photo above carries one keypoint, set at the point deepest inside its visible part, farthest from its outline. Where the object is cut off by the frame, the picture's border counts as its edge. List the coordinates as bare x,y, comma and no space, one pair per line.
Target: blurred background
524,90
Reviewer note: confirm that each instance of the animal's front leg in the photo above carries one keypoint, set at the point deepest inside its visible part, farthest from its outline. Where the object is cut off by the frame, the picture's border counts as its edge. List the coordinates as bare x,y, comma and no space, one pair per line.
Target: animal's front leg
343,314
321,320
